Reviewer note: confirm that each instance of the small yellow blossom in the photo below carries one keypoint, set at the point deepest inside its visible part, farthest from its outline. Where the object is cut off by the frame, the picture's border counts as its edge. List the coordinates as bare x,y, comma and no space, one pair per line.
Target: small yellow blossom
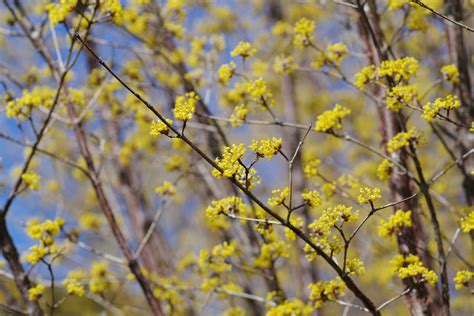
450,73
398,69
58,12
229,163
217,259
158,127
279,197
331,119
234,311
403,139
226,72
365,76
90,220
311,168
100,280
384,169
266,147
467,222
239,115
463,278
355,267
303,32
399,96
167,188
292,307
324,291
328,190
311,198
412,267
232,205
185,106
431,110
244,49
367,195
270,252
36,292
284,65
32,180
395,223
73,287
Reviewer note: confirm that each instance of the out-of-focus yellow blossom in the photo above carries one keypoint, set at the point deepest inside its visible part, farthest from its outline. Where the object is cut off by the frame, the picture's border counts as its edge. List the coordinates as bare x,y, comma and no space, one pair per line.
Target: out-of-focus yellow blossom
158,127
239,115
259,92
101,277
311,198
226,72
32,180
282,28
328,190
73,287
243,49
217,259
384,169
284,65
38,96
58,12
292,307
266,147
400,95
467,222
331,119
450,73
411,266
90,220
167,188
367,195
36,292
430,110
324,291
185,106
270,252
279,197
175,162
234,311
297,222
395,223
229,163
232,205
463,278
311,168
355,267
36,254
303,32
403,139
333,55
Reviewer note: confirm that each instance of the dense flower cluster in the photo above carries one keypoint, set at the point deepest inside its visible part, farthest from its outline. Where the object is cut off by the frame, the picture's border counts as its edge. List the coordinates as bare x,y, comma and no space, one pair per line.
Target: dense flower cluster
331,119
266,147
399,96
32,180
229,163
311,198
226,72
333,55
284,65
367,195
278,197
384,169
185,106
467,222
303,32
291,307
159,127
463,278
431,110
243,49
167,188
43,232
324,291
398,69
450,73
311,168
412,267
36,292
403,139
38,96
395,223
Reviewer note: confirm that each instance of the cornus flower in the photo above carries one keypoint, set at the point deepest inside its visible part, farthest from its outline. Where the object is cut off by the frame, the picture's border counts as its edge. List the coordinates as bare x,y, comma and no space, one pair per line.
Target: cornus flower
331,119
266,147
167,188
38,96
328,190
258,90
232,205
463,278
395,223
284,65
100,280
229,163
367,195
243,49
324,291
412,267
58,12
73,287
365,76
279,197
384,169
270,252
185,106
355,267
311,168
36,292
400,95
403,139
450,73
240,114
311,198
398,69
467,222
291,307
303,32
89,220
226,72
430,110
32,180
158,127
334,55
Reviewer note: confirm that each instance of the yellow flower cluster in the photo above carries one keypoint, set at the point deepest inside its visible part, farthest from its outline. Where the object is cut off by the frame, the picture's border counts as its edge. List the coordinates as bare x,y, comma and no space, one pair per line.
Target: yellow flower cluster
266,147
324,291
226,72
279,197
331,119
292,307
430,110
229,205
159,127
89,220
367,195
366,75
467,222
38,96
395,223
303,32
311,198
58,12
402,139
112,7
398,69
450,73
185,106
333,55
243,49
43,232
101,278
384,169
234,311
328,190
284,65
32,180
400,95
463,278
239,115
259,92
73,287
412,267
167,188
355,267
217,260
270,252
229,163
311,168
36,292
